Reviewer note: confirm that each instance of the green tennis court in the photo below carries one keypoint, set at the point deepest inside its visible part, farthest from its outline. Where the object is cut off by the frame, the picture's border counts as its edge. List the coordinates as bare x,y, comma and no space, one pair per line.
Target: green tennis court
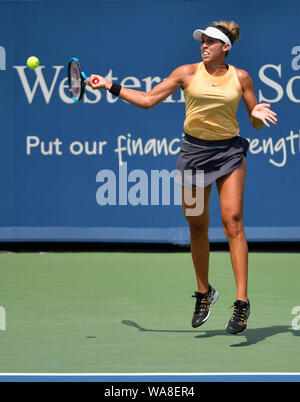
130,313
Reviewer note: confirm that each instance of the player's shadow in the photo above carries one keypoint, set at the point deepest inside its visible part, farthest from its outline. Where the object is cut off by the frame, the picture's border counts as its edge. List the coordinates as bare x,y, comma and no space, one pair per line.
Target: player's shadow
250,337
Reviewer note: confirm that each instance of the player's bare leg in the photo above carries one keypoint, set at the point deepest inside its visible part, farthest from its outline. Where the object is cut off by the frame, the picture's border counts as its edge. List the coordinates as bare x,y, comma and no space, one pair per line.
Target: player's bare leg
199,236
206,295
231,191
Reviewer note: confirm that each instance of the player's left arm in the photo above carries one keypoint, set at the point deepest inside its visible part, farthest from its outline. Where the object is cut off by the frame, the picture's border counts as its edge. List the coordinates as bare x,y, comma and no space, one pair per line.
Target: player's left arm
259,113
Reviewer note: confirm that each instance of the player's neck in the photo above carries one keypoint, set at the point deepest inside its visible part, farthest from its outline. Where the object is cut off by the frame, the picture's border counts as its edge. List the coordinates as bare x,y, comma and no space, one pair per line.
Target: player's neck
216,68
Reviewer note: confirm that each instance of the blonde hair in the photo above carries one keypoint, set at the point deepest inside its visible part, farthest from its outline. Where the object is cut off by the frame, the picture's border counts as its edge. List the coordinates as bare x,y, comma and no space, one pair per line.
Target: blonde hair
230,26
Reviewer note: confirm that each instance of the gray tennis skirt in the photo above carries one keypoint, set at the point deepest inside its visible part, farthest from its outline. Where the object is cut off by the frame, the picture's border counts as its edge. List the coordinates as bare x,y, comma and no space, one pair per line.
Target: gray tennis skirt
202,162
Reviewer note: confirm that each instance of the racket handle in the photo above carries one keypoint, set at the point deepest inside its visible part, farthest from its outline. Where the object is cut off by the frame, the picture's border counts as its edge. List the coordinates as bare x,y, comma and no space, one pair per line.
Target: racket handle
95,81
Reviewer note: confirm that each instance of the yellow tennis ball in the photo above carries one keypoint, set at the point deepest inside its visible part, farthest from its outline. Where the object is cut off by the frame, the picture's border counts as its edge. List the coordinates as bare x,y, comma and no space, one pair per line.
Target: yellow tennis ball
33,62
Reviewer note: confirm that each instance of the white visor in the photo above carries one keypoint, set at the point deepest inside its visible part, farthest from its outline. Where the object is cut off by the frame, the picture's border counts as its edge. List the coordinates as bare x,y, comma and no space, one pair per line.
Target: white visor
212,32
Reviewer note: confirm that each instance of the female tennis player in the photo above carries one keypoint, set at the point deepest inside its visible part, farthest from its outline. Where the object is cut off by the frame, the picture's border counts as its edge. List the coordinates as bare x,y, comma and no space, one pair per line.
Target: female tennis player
213,90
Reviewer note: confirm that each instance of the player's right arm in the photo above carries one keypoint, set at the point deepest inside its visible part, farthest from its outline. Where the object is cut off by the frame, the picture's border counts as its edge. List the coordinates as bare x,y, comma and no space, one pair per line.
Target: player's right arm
179,78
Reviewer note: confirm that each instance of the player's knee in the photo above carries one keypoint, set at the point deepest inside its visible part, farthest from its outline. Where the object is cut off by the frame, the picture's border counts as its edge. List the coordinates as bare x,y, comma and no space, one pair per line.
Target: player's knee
233,226
198,224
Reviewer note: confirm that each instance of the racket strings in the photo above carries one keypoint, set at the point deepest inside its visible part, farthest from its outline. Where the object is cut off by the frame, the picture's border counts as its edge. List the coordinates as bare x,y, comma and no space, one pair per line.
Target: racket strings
76,82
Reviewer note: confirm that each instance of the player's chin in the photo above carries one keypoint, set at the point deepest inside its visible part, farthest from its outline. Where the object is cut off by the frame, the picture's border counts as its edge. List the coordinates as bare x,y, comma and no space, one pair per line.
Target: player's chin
206,59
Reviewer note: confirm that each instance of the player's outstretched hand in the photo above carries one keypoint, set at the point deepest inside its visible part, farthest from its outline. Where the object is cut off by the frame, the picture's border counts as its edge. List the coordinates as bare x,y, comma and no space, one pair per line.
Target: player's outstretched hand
96,82
263,112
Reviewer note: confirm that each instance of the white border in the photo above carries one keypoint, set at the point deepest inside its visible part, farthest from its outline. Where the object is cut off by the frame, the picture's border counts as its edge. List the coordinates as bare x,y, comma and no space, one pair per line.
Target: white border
148,374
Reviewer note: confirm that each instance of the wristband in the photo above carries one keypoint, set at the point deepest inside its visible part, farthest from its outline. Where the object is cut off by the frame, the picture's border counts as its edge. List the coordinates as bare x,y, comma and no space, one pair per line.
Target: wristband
115,89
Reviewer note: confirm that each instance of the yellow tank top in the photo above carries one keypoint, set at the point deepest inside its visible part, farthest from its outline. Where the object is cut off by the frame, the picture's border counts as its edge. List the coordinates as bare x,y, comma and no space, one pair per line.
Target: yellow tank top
211,104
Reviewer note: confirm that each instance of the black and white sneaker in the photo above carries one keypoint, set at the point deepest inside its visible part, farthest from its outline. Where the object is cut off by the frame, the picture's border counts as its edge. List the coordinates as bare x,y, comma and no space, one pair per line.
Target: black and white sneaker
202,308
238,321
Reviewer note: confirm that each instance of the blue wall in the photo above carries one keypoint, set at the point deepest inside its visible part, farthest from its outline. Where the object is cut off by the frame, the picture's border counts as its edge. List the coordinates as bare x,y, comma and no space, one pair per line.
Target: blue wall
55,196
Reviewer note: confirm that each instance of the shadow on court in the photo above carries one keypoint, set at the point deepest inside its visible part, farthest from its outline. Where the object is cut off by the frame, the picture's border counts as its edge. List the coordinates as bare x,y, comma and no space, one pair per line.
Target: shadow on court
250,337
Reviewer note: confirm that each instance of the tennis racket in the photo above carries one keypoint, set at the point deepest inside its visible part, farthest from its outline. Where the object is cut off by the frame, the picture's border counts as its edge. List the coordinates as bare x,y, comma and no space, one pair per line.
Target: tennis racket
77,79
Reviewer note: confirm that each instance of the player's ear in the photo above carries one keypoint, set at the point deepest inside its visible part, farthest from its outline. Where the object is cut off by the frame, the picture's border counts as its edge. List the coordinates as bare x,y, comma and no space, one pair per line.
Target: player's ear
226,47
